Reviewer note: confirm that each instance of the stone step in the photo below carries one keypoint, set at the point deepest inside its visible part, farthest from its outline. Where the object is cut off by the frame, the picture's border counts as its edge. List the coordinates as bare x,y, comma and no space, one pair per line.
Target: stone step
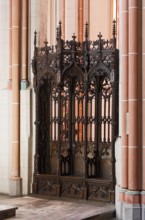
7,211
109,215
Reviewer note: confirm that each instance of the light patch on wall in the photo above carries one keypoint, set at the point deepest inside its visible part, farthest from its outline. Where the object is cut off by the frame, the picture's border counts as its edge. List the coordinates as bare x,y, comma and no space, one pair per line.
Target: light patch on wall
114,9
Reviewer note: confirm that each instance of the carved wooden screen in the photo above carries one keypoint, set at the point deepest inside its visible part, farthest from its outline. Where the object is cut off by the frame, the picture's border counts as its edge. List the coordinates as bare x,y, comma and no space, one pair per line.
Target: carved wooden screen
76,89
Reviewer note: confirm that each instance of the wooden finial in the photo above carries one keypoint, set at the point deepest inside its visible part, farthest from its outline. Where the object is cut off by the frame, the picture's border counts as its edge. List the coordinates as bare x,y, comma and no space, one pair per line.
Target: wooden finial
60,31
45,42
57,33
114,28
35,38
86,31
99,35
74,37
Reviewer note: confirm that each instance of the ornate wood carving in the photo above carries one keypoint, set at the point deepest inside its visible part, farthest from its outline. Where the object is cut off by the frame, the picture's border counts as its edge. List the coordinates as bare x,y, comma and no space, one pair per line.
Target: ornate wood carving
99,192
76,87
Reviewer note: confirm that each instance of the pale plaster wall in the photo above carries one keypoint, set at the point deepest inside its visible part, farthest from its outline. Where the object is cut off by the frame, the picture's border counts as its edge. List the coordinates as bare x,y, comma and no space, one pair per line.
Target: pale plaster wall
34,24
5,99
4,43
26,142
28,102
5,140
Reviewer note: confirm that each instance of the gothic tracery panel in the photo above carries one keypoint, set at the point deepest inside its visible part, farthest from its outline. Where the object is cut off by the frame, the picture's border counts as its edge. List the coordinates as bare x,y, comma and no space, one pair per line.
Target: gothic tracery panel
76,117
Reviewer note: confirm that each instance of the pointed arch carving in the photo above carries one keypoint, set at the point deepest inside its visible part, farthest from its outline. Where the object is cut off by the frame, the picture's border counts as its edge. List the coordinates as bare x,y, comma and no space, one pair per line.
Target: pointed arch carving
73,71
99,70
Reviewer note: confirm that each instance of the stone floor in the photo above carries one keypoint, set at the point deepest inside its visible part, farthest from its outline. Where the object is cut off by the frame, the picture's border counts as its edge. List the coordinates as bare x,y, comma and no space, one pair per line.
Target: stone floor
30,207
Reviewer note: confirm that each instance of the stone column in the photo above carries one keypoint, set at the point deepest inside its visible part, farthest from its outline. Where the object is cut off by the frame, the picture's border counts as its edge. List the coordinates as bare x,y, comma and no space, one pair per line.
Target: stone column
48,22
10,46
124,59
24,45
15,180
143,92
71,18
117,22
133,148
63,19
53,22
80,39
143,109
80,20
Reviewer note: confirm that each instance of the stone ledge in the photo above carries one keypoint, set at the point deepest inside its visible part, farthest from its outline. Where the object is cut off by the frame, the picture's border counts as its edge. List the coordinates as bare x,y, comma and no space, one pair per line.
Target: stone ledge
7,211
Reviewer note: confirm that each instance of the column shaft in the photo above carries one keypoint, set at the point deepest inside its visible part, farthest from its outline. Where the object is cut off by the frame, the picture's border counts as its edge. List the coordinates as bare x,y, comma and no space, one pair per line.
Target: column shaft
133,156
24,45
52,22
80,39
80,20
124,58
143,91
16,88
48,22
24,42
71,18
63,19
117,22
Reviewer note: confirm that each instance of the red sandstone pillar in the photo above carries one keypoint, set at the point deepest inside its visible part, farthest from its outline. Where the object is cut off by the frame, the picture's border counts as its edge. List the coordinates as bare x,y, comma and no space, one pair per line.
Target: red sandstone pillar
24,45
133,148
124,58
117,22
80,21
63,19
80,39
15,179
143,92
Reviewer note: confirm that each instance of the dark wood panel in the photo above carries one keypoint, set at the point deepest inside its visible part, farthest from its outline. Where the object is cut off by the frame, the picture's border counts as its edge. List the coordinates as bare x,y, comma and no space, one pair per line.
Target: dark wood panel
76,89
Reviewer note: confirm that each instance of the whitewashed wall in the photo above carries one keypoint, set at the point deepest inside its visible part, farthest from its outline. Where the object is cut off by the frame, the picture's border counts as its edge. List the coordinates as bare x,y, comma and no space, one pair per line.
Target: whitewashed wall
27,138
4,43
5,140
5,99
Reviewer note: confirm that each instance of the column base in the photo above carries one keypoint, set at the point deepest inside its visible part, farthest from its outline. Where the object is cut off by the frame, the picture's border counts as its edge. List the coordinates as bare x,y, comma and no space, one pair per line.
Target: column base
143,211
15,186
24,84
131,211
130,205
120,197
143,204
